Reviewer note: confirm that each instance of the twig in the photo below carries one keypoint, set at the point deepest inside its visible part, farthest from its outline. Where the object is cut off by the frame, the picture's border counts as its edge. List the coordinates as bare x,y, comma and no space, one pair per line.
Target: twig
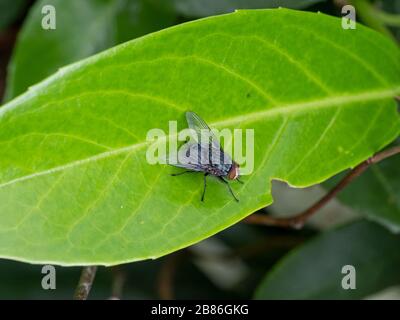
85,283
298,220
119,278
167,275
340,3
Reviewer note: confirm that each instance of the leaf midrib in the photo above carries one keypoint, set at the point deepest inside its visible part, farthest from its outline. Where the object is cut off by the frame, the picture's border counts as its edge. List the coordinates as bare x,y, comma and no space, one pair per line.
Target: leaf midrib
249,117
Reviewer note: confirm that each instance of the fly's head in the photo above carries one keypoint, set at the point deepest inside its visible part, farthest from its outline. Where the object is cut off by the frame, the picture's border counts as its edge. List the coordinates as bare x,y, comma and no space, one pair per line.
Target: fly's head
234,171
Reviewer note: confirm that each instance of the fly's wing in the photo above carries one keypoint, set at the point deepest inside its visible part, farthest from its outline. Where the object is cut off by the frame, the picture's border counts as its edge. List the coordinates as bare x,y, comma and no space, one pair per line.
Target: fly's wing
205,135
203,131
190,157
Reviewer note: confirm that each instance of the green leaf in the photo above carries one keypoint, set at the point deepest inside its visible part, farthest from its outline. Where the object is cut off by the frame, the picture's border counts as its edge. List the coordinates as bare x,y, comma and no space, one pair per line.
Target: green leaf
314,270
82,29
204,8
75,186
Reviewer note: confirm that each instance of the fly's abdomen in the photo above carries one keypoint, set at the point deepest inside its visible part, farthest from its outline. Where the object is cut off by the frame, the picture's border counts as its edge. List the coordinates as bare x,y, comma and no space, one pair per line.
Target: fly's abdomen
217,169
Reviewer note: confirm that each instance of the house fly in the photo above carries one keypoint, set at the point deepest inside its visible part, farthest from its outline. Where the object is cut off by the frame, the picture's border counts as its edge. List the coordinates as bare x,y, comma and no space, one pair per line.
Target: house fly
204,154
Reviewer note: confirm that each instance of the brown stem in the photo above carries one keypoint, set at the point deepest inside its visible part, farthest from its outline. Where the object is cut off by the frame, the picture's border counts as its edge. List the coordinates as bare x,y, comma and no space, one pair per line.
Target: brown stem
85,283
118,282
340,3
298,220
167,275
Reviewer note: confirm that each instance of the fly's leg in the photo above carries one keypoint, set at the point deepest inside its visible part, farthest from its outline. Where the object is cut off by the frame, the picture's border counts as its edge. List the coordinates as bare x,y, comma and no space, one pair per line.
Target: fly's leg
205,185
240,181
229,187
180,173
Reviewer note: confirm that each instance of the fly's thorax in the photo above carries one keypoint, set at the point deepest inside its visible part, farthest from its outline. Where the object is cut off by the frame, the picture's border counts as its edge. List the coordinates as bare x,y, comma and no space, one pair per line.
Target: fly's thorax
234,171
